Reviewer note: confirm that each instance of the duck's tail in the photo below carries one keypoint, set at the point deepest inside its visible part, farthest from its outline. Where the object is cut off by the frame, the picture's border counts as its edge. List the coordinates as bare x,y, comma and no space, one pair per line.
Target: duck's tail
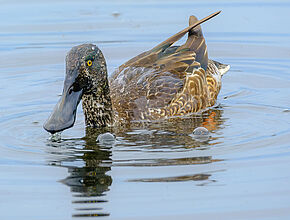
223,68
196,42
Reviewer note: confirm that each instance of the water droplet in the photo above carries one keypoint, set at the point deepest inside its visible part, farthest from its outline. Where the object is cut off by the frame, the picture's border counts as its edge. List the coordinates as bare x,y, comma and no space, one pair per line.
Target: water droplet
56,137
201,134
106,139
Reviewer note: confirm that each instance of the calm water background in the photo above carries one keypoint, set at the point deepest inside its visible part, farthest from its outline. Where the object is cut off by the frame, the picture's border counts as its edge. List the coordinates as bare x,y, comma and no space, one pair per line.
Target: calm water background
158,172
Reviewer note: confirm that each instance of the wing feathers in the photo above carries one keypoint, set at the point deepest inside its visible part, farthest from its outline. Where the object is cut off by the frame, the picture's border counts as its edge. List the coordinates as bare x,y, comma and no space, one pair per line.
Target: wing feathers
180,34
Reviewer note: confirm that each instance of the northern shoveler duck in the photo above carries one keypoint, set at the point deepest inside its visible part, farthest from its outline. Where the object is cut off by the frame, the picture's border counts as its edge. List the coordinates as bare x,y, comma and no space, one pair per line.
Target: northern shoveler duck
160,83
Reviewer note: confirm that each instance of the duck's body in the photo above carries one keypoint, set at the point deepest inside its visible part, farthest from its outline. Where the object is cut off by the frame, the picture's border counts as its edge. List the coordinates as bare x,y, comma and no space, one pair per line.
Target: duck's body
163,82
148,93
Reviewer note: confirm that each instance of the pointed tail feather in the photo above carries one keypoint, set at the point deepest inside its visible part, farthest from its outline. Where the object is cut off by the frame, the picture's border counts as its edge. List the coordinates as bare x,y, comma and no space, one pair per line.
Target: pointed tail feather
167,43
180,34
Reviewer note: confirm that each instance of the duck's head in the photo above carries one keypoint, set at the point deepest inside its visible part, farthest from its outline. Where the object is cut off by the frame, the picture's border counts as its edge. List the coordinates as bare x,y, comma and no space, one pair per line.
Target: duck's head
86,73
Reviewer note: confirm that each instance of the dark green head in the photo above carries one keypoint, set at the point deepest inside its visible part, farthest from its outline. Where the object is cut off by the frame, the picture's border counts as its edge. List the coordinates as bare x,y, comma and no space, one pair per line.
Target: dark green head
86,74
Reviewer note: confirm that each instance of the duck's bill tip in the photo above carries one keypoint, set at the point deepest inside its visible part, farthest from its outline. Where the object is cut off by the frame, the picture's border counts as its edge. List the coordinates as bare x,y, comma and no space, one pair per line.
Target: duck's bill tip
64,113
55,128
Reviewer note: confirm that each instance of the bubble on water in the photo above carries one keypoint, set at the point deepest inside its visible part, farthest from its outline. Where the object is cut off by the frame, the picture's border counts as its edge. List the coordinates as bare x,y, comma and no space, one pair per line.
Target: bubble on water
201,134
106,139
200,131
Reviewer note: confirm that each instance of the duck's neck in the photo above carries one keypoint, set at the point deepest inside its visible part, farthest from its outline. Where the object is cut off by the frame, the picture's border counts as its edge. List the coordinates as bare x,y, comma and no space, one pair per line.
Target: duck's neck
97,107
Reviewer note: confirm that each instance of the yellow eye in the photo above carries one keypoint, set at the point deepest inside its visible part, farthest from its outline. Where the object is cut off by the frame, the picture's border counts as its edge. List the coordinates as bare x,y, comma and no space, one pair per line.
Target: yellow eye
89,62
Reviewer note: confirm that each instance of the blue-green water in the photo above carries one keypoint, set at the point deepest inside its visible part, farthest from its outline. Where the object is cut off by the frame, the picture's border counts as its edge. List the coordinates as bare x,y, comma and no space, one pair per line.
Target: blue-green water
160,171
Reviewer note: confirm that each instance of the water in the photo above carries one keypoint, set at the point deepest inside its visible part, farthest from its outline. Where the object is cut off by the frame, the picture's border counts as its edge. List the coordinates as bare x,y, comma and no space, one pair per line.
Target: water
159,171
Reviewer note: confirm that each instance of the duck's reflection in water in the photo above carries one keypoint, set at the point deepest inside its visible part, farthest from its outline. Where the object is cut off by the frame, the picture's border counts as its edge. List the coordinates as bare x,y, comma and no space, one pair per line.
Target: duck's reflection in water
174,133
88,162
171,140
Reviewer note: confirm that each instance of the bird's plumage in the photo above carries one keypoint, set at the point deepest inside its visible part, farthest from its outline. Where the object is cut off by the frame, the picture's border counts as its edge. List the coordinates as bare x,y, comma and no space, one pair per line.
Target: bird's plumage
162,82
167,80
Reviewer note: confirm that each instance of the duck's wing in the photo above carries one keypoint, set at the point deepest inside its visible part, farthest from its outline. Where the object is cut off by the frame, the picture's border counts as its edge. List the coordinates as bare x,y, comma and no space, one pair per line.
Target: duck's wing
150,57
152,79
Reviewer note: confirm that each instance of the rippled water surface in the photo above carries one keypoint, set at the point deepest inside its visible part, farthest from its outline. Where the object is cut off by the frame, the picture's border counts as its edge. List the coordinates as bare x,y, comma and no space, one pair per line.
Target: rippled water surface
158,171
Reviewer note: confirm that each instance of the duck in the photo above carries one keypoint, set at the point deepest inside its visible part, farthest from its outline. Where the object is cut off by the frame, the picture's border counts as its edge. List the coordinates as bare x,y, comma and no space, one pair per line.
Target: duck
164,82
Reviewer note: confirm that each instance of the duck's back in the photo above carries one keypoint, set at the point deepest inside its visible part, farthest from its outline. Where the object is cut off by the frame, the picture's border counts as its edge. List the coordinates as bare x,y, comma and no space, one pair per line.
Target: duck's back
166,81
